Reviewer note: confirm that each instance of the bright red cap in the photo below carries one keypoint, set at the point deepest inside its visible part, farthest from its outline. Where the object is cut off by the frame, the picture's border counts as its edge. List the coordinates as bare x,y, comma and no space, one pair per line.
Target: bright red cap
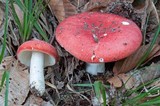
25,50
98,37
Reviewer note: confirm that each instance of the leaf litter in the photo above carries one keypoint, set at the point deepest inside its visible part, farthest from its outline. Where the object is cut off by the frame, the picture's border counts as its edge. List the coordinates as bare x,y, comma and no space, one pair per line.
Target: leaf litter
19,84
70,70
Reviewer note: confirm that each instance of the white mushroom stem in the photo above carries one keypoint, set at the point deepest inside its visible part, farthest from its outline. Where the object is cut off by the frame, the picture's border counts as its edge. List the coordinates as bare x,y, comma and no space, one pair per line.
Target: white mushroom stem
37,83
95,68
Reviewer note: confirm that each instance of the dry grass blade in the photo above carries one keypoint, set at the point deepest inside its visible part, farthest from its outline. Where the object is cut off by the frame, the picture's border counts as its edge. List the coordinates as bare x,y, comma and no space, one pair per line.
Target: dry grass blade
52,86
62,9
73,91
130,62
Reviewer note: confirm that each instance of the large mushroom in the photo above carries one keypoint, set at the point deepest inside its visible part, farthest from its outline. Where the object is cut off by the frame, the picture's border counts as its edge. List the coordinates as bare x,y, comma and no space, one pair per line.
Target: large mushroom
97,38
37,54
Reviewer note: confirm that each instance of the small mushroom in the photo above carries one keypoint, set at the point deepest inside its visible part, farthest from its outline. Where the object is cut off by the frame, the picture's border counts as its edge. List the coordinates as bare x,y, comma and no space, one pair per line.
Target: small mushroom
37,54
97,38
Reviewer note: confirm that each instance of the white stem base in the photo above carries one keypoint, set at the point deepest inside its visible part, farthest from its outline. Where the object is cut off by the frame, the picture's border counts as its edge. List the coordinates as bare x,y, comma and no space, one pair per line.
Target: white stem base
95,68
37,83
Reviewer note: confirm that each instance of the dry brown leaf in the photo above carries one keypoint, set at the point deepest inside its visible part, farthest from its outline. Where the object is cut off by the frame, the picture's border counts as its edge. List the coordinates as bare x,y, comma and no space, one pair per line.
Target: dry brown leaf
69,8
130,62
136,77
119,80
9,102
19,84
115,81
97,5
57,9
62,9
19,12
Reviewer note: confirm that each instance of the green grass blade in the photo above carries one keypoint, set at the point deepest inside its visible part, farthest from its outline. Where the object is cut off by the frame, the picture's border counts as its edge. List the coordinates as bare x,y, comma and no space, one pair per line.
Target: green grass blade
40,30
34,21
30,6
83,85
7,88
97,85
5,31
16,18
25,22
103,92
137,99
20,4
129,92
150,47
3,80
153,101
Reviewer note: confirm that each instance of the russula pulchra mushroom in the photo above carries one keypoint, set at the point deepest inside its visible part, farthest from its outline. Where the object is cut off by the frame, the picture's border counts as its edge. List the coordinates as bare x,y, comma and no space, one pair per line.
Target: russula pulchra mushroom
97,38
37,54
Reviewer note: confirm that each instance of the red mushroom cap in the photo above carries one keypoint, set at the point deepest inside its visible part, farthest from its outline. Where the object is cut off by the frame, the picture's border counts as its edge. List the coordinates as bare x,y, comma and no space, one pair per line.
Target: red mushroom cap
98,37
25,50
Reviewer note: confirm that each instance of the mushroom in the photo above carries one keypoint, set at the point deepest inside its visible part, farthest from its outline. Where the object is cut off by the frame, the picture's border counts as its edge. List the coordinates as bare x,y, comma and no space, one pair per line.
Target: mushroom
97,38
37,54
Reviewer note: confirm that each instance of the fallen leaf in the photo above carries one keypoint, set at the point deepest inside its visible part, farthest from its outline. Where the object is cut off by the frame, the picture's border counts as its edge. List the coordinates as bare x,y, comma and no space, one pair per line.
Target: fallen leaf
130,62
97,5
119,80
62,9
136,77
69,8
19,84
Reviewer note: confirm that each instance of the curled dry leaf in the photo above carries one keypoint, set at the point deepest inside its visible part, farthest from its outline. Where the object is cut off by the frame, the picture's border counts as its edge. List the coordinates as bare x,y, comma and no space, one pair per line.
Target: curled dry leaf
62,9
1,22
19,84
137,77
130,62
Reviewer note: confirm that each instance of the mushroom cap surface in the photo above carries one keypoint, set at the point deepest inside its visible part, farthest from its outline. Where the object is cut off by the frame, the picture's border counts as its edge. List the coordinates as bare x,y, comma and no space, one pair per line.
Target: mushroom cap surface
98,37
24,52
